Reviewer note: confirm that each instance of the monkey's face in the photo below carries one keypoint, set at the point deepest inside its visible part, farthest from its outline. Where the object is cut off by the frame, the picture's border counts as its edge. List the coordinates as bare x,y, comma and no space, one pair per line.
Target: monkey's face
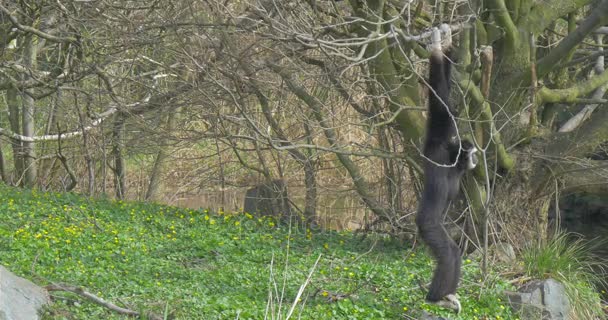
469,153
472,158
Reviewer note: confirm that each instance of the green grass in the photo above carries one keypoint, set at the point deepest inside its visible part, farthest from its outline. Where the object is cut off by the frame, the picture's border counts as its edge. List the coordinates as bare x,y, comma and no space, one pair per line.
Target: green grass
568,259
198,265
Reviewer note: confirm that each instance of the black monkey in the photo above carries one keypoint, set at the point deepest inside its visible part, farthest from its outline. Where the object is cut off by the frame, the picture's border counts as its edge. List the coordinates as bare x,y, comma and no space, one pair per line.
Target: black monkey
447,158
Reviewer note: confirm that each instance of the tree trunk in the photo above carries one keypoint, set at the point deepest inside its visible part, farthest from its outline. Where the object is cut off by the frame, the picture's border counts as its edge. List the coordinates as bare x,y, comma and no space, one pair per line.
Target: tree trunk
14,117
85,146
29,154
310,180
120,167
3,167
155,184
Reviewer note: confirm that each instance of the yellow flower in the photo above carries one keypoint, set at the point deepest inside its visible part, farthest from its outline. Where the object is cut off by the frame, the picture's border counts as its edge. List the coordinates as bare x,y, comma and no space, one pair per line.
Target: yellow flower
212,221
404,308
325,293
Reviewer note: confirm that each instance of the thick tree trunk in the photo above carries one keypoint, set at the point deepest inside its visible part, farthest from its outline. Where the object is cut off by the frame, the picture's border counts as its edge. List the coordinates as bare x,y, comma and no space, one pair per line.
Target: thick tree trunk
29,155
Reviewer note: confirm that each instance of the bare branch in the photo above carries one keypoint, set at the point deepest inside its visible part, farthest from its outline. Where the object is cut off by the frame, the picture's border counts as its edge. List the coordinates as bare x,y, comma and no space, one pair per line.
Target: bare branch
598,17
35,31
99,301
53,137
359,181
585,113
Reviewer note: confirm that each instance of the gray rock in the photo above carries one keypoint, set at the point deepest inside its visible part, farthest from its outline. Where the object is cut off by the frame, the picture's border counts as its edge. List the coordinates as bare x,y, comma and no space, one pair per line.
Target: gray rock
504,252
501,252
20,299
545,300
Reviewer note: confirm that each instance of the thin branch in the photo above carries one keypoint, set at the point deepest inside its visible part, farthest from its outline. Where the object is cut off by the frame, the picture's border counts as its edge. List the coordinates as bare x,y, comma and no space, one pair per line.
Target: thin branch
598,17
588,176
35,31
505,160
99,301
315,105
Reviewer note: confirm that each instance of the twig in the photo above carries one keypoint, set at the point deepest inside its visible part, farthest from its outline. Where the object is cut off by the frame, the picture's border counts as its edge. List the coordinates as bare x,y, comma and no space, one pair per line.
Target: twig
29,29
99,301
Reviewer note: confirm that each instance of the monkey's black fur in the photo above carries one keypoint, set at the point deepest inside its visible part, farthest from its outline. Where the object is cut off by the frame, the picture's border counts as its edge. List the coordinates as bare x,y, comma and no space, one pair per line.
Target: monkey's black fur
441,182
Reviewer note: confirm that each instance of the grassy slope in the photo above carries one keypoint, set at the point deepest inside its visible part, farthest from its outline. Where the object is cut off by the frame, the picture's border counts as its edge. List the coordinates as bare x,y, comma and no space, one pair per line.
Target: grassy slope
205,266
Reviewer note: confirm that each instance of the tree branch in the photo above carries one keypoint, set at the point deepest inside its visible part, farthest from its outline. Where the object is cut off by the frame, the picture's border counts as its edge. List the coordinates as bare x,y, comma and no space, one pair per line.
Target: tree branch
505,161
586,112
359,181
581,141
573,93
586,176
598,17
53,137
99,301
500,12
35,31
541,15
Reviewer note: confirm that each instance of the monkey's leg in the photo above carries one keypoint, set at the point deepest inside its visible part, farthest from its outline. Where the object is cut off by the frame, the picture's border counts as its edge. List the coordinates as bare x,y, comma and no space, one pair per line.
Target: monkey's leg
438,241
442,291
449,302
457,263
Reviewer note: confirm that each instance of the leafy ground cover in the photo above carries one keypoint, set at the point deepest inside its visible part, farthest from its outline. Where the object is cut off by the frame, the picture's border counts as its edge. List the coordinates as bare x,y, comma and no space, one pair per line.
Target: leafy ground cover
200,265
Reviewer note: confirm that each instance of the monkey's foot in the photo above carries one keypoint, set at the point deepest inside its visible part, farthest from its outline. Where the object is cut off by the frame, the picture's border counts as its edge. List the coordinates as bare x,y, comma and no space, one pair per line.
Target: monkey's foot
449,302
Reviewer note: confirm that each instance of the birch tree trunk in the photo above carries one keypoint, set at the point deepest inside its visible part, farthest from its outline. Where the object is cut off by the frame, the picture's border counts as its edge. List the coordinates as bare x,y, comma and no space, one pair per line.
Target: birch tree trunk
29,154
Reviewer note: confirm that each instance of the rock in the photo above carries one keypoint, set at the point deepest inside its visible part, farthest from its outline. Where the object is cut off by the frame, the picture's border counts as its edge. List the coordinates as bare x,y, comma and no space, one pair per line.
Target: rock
269,199
20,299
545,300
501,252
504,252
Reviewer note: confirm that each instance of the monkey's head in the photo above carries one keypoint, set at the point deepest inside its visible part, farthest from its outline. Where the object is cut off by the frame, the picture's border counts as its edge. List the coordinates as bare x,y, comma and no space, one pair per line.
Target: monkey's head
468,155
